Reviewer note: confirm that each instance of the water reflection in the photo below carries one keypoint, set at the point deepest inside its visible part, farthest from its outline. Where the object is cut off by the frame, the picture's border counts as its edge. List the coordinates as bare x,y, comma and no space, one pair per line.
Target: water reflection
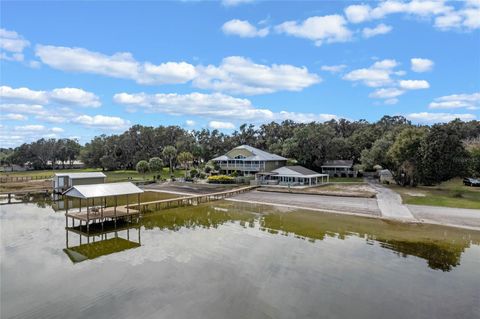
441,247
101,239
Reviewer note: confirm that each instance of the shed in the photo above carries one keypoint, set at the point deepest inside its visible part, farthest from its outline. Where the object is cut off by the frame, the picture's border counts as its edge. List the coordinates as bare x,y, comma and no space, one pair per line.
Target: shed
63,181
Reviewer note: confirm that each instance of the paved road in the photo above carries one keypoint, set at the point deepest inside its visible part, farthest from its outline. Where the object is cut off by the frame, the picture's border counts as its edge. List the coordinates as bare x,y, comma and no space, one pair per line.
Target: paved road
390,203
460,217
365,206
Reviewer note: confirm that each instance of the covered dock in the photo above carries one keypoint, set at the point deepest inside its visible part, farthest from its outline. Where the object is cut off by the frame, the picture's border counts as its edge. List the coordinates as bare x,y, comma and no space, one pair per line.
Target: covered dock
95,199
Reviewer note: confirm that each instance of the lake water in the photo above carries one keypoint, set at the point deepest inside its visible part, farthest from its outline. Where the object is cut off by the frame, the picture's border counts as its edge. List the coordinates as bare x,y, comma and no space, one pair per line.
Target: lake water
234,260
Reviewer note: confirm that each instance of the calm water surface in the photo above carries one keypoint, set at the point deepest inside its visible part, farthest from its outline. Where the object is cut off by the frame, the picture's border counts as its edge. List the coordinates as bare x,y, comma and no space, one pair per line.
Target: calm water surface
233,260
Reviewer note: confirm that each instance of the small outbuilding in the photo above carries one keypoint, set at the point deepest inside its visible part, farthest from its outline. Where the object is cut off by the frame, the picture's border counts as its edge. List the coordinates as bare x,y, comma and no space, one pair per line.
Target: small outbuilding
292,176
63,181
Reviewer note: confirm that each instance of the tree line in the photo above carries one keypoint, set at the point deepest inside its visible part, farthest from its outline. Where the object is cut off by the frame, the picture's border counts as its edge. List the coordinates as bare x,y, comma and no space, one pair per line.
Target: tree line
414,153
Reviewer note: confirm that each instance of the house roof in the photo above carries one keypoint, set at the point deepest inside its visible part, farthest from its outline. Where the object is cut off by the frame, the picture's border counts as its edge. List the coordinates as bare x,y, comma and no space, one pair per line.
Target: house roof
82,175
102,190
338,163
296,171
258,155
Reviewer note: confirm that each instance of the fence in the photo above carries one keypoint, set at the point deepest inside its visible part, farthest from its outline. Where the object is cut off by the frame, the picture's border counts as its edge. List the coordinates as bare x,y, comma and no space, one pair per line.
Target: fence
14,179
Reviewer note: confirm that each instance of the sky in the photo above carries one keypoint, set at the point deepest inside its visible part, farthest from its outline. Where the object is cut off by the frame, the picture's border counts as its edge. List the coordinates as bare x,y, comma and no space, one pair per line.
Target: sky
80,69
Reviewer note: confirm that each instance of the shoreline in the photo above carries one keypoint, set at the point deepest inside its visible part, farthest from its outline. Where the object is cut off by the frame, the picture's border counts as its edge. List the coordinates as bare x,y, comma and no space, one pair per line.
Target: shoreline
330,211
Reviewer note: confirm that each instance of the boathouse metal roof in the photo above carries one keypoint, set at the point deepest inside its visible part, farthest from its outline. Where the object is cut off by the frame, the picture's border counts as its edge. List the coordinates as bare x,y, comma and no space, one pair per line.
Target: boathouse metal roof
102,190
82,175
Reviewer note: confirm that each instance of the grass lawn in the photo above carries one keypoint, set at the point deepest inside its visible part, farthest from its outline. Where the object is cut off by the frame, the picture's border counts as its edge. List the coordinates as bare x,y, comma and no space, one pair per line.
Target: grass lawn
112,176
448,194
346,179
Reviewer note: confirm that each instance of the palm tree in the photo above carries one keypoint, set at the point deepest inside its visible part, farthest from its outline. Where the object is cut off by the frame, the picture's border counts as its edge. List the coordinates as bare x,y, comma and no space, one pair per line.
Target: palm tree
169,153
184,158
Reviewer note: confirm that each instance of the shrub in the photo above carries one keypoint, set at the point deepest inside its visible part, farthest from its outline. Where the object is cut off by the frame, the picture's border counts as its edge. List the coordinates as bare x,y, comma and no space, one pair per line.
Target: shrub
221,179
208,169
344,175
193,173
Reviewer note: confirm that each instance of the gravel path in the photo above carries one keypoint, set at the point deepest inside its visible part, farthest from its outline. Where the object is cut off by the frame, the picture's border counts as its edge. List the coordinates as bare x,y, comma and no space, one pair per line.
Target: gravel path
364,206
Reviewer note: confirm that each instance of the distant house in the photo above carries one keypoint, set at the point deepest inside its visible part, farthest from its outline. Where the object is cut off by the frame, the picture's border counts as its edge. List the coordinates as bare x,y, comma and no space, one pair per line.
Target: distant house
248,160
291,175
69,164
339,168
63,181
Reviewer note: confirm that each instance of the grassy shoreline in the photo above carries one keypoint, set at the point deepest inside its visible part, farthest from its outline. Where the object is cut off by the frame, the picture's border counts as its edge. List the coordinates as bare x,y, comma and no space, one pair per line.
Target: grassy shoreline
451,193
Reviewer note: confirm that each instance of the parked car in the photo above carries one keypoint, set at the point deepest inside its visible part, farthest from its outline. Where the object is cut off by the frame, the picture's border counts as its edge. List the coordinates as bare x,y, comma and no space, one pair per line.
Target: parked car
471,182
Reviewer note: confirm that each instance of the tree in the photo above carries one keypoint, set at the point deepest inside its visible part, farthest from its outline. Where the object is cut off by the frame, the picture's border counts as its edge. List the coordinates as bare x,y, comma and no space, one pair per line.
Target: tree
155,164
377,155
443,155
108,162
185,158
142,168
169,154
404,155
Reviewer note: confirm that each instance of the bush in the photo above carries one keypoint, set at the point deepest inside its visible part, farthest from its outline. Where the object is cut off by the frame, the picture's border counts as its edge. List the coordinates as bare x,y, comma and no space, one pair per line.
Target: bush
344,175
221,179
208,169
234,174
193,173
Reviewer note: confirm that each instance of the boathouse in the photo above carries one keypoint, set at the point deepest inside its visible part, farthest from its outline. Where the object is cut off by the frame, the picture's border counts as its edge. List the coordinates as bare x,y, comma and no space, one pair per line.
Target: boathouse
93,203
63,181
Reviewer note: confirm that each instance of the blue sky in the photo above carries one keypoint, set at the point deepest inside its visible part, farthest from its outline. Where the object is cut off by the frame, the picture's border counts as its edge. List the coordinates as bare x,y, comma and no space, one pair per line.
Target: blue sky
80,69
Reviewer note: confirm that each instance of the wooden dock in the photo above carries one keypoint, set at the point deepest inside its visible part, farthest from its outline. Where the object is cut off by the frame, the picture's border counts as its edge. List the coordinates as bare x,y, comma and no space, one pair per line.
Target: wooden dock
189,200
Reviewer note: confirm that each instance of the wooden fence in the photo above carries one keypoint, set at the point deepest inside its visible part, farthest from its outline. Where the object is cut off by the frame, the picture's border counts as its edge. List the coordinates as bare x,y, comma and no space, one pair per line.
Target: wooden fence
15,179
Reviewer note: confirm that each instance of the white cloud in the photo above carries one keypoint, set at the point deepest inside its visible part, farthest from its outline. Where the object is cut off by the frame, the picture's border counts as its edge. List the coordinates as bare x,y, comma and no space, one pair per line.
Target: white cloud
233,3
30,128
421,65
57,129
118,65
215,105
375,76
425,117
190,122
320,29
445,17
102,121
13,44
23,108
14,117
386,93
304,117
357,13
240,75
378,30
221,125
72,96
198,104
414,84
235,74
333,68
391,101
243,29
454,101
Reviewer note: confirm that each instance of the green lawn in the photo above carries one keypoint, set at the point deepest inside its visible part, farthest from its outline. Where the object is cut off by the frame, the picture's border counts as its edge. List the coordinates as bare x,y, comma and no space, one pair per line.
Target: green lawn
448,194
346,179
112,176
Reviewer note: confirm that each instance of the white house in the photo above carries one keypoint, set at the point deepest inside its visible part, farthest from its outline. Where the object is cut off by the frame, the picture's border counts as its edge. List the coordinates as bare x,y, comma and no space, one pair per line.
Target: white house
292,175
63,181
